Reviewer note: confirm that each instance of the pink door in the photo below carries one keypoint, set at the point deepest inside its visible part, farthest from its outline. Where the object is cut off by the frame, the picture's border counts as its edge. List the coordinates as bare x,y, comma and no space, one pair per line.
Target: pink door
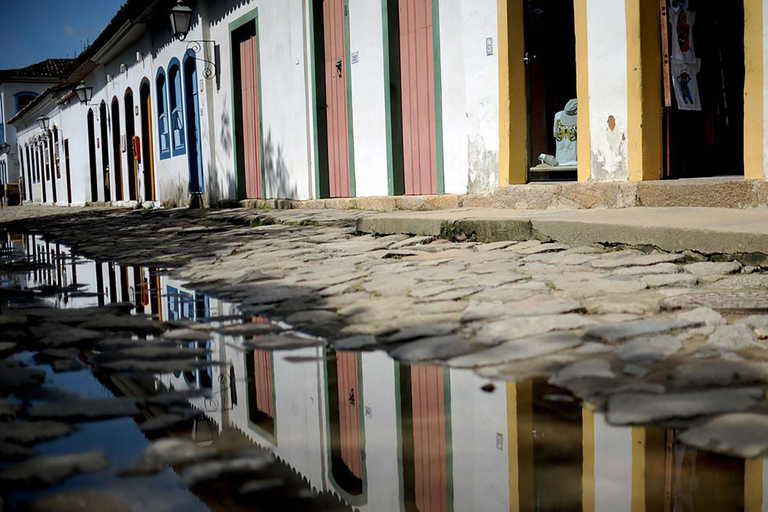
262,364
417,69
429,439
249,83
349,413
334,17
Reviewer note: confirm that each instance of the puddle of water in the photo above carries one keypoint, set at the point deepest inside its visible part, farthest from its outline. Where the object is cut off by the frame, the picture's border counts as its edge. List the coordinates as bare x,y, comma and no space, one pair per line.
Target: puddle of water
357,430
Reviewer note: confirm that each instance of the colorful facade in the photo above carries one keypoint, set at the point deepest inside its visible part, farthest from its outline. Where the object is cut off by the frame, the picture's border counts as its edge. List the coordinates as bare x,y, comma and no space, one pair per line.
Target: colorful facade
308,99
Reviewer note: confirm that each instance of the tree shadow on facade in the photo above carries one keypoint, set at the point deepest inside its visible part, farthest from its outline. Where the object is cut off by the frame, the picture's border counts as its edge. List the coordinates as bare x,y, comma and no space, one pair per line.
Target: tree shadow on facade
278,181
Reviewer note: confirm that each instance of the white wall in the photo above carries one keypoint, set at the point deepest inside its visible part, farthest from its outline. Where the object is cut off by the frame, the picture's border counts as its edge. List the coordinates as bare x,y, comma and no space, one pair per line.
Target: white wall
470,87
613,467
608,93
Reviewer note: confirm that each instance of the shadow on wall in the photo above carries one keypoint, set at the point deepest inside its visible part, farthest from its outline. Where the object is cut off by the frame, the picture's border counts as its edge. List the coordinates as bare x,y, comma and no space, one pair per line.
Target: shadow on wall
220,183
278,181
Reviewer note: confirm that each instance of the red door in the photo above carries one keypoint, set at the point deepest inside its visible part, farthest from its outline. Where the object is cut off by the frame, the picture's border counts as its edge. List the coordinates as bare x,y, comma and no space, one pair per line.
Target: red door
334,17
349,413
249,83
262,363
429,441
417,69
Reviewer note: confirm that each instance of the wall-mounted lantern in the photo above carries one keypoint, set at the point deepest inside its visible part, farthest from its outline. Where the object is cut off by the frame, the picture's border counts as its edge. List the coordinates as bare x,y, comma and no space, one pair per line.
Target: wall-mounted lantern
43,122
84,93
181,17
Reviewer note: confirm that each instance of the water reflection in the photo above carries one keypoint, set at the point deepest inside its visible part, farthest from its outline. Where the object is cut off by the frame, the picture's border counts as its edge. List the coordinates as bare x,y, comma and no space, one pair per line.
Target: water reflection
383,436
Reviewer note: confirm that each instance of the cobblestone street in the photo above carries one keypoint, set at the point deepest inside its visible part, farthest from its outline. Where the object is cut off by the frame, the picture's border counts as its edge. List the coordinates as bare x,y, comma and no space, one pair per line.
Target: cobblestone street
647,336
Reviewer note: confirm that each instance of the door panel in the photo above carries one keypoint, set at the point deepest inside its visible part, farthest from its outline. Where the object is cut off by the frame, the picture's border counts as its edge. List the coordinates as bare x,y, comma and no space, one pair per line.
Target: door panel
334,17
250,114
349,412
429,439
417,65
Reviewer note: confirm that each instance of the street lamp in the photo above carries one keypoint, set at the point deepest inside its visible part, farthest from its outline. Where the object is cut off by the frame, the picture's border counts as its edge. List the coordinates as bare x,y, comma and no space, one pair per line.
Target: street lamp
84,93
181,16
43,122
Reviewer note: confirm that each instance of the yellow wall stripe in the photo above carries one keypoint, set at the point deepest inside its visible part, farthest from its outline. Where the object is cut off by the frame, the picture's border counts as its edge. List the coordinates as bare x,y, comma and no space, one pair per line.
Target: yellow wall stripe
588,451
753,485
513,107
644,90
753,89
582,90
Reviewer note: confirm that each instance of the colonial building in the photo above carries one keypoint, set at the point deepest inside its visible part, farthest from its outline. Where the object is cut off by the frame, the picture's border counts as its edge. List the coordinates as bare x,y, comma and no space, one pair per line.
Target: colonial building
349,98
18,87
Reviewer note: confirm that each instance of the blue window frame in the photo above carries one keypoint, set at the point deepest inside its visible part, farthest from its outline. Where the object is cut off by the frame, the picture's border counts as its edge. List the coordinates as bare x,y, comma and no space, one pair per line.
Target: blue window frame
23,98
163,121
175,107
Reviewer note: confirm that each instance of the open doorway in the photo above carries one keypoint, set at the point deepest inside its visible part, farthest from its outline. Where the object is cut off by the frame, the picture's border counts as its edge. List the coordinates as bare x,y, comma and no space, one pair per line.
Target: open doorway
704,91
550,58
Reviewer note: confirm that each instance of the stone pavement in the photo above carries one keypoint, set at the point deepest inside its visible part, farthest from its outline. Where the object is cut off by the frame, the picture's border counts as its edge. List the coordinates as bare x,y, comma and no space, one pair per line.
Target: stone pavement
650,336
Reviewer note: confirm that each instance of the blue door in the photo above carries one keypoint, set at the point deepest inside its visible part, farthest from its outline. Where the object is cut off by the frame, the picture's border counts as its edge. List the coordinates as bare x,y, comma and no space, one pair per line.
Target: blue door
192,98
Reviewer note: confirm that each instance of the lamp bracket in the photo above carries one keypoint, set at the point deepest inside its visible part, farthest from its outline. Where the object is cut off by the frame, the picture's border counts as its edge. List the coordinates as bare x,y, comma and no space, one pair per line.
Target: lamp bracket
196,46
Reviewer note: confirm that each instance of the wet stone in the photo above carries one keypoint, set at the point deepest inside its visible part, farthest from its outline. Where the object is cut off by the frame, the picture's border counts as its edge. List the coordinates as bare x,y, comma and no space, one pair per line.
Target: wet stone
77,501
733,337
7,348
15,378
636,261
710,268
600,368
679,280
164,421
614,333
730,301
212,470
361,342
282,342
636,408
742,435
123,323
187,335
49,471
719,373
84,410
514,328
635,370
660,268
651,350
248,329
423,331
708,316
526,348
10,452
429,349
33,432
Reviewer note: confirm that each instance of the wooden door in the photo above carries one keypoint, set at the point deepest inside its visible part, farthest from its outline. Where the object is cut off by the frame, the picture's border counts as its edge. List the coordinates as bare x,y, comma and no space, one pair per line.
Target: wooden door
349,412
430,458
417,71
147,160
334,21
251,125
262,363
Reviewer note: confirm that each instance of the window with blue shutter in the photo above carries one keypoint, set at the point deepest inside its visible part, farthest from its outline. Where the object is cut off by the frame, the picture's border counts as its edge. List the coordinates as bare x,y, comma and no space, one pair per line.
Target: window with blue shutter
163,125
175,107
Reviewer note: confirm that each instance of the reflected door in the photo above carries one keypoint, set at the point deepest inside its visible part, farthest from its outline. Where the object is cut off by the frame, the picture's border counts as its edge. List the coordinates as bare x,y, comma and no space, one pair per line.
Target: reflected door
349,412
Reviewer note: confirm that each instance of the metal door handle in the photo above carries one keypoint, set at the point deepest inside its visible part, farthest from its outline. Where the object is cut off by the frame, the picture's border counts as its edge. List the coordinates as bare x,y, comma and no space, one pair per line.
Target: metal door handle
338,66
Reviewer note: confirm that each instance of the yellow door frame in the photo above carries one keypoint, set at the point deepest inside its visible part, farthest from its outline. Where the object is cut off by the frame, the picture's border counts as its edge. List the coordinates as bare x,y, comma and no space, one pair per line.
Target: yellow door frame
513,94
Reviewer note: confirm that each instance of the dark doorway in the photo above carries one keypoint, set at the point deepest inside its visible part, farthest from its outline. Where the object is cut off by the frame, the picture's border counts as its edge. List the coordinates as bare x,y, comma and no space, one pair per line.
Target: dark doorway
92,156
42,177
51,168
191,96
130,150
116,150
67,171
707,141
550,57
105,151
147,160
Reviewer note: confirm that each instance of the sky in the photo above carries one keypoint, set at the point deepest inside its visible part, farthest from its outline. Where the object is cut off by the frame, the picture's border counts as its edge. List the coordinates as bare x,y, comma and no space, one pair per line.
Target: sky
28,36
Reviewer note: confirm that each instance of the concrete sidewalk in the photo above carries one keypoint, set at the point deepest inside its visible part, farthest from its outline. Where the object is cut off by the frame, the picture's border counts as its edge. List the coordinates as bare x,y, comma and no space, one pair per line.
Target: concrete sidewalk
707,230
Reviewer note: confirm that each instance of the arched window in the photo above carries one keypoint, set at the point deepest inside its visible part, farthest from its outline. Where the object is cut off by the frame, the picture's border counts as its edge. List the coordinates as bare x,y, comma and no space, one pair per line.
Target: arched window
163,121
23,99
176,112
